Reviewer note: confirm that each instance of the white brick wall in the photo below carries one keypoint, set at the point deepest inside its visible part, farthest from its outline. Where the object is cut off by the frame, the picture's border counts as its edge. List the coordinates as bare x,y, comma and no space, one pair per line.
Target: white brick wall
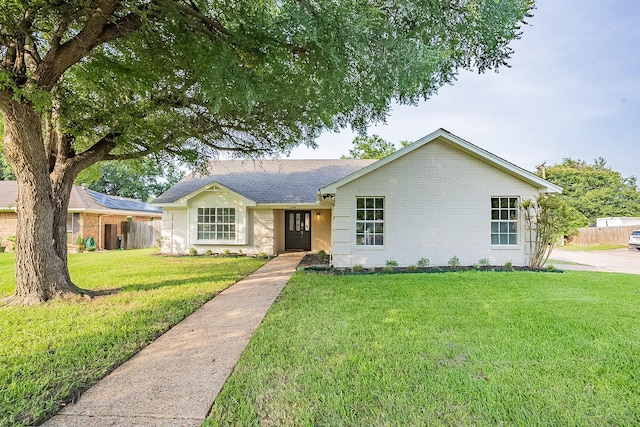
175,238
437,205
179,232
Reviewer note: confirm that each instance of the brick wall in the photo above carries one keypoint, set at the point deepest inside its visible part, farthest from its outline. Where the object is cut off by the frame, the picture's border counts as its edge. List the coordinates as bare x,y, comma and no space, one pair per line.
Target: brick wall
8,224
437,204
92,225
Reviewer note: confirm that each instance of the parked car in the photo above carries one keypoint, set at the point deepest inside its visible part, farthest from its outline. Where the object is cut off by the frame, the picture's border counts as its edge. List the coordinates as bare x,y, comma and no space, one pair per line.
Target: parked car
634,239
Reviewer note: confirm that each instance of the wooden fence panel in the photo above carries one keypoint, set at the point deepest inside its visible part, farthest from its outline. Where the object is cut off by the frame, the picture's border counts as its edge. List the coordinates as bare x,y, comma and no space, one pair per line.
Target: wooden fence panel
138,234
606,235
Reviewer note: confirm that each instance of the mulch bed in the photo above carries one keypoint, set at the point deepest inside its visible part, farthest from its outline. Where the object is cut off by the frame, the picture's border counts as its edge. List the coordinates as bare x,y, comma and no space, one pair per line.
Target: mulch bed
314,263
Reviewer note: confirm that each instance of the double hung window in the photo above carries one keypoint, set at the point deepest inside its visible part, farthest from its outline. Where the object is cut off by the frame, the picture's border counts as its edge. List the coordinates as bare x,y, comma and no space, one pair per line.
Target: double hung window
370,221
216,223
504,220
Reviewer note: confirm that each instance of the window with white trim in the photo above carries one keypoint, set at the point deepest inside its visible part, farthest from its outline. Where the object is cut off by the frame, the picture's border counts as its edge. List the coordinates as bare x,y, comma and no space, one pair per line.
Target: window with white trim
370,221
216,223
504,220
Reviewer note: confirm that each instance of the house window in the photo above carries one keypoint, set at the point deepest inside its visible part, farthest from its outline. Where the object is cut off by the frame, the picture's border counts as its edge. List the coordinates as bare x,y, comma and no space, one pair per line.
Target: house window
216,223
504,220
370,221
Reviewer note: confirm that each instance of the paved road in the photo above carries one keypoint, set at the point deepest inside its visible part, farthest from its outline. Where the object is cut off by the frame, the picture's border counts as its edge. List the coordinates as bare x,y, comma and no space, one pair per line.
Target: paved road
616,260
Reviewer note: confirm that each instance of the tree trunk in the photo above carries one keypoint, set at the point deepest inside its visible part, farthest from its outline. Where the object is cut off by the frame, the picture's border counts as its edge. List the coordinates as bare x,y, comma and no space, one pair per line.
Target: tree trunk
41,267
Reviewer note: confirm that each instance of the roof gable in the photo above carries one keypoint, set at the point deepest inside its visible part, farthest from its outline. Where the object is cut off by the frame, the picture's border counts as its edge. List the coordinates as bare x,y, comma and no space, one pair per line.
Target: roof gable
210,186
265,181
465,146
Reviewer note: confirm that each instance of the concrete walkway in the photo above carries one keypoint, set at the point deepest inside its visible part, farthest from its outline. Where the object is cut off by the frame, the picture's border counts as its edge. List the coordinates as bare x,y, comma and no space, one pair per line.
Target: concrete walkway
175,380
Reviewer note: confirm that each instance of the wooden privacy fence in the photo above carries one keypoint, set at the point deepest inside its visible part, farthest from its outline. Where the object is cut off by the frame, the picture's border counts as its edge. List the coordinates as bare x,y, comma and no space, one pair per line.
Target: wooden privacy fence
138,234
607,235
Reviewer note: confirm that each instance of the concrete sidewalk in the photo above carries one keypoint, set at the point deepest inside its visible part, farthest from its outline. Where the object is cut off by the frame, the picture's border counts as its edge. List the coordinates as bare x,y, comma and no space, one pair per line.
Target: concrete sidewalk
175,380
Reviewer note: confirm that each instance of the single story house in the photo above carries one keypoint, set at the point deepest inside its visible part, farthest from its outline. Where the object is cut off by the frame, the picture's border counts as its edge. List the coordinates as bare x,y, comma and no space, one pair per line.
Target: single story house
437,198
91,214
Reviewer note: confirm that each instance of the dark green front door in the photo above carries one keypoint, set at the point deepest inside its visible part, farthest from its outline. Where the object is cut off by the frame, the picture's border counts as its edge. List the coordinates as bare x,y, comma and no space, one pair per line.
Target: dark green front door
297,225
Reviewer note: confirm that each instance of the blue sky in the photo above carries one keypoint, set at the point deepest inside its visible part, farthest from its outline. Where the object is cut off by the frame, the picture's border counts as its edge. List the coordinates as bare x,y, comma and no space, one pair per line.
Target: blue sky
573,90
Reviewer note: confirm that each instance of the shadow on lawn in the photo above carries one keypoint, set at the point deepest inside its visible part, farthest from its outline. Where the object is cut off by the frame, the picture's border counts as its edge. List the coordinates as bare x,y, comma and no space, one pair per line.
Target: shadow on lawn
211,278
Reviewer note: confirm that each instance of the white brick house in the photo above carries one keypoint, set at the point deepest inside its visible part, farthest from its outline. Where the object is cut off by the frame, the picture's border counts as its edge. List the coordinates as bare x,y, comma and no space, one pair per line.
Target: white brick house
436,198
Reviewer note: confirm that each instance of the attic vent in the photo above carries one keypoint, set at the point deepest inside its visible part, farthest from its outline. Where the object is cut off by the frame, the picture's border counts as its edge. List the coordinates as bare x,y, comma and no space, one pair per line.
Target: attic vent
214,188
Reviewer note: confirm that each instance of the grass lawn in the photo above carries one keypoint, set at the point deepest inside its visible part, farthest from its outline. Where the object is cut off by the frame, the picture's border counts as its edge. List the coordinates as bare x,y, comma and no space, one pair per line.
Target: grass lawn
50,352
472,348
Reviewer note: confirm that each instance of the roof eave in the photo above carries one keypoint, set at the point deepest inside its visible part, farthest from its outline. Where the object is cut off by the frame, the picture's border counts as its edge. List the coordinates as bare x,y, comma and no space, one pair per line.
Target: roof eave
516,171
114,212
183,201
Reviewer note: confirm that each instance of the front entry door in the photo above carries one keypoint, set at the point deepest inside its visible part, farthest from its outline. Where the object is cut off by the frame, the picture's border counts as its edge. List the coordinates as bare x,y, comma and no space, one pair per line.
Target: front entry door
298,230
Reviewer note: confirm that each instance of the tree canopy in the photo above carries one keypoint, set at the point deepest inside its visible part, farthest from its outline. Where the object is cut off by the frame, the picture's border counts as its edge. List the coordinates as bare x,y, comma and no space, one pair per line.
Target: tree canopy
84,82
370,147
142,179
595,190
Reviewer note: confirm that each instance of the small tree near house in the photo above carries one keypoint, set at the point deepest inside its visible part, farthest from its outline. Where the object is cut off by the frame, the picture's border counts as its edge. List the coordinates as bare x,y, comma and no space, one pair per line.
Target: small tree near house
547,219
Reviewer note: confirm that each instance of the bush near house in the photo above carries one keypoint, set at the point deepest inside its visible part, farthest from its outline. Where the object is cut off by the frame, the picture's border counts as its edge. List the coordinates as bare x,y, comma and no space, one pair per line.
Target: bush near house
51,352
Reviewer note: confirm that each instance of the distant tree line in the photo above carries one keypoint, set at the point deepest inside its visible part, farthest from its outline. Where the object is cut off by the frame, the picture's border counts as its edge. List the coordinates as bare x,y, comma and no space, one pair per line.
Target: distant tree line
594,190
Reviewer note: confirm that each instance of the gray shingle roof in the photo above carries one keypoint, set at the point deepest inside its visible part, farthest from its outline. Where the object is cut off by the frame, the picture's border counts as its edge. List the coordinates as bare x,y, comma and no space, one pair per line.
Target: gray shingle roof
268,181
81,199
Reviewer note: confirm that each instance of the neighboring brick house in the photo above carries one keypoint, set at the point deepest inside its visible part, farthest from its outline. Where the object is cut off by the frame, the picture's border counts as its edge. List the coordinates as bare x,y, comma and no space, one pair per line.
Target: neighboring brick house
437,198
91,214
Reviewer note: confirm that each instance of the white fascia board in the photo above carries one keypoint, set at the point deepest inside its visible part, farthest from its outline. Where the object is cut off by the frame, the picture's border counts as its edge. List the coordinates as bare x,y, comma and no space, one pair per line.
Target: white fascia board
498,162
184,201
542,184
291,206
109,212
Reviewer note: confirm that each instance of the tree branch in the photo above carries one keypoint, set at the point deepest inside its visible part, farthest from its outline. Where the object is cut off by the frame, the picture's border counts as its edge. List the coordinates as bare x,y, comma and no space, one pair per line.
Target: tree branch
97,30
213,26
99,151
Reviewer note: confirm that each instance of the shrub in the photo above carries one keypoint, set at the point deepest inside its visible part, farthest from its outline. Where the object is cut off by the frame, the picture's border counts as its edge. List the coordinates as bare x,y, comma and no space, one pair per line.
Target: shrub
357,268
551,267
391,263
322,255
411,267
80,241
454,262
240,252
508,265
209,252
193,252
423,262
226,252
161,241
476,266
483,261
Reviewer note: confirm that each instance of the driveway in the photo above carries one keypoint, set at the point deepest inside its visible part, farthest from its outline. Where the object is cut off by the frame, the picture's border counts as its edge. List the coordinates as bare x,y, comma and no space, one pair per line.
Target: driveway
616,260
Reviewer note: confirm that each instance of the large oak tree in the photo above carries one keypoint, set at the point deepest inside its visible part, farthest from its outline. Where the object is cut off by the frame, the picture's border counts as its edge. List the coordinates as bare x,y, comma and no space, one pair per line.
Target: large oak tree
85,81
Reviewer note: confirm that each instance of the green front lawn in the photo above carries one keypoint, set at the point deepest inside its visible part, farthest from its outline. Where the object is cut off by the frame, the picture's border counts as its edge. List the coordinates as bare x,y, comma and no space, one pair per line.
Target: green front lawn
49,353
472,348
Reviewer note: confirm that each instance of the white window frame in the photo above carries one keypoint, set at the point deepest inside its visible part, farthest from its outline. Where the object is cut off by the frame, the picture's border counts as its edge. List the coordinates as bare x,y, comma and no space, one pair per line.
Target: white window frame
369,224
220,224
505,220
